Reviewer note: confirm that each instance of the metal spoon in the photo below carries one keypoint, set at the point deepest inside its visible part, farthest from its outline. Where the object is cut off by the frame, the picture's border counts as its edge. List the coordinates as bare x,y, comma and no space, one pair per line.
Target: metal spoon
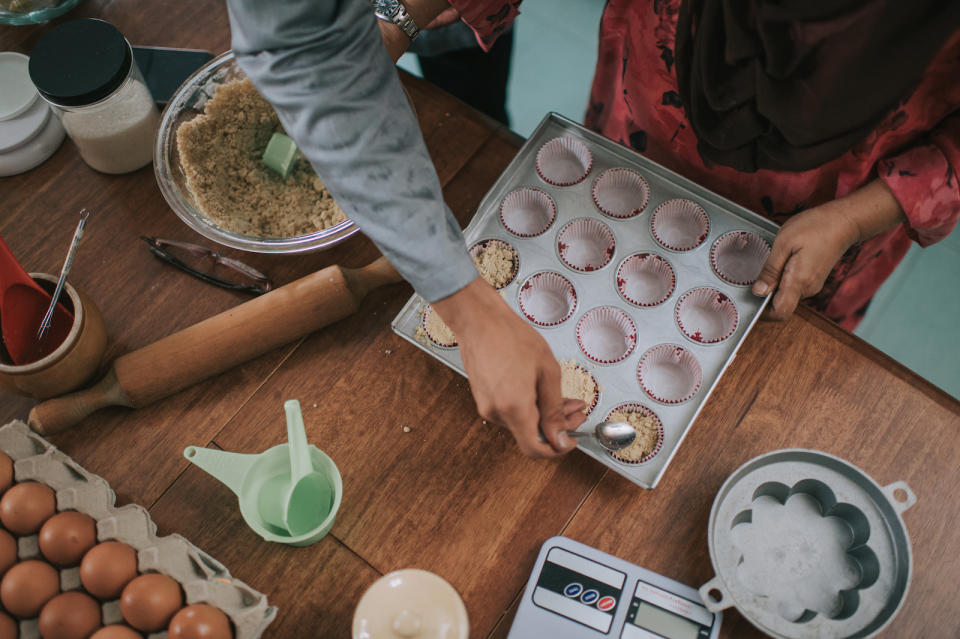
611,435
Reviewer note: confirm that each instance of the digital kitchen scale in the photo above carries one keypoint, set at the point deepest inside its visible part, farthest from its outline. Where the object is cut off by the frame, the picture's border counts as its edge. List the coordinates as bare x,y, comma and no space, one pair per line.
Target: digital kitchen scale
576,591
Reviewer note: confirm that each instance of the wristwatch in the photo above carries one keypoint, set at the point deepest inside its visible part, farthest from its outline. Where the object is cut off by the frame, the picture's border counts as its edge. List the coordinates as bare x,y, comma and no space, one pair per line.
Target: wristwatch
394,11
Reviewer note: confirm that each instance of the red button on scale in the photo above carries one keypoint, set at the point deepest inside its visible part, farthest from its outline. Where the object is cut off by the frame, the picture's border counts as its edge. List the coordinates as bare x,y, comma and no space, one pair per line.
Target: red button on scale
606,603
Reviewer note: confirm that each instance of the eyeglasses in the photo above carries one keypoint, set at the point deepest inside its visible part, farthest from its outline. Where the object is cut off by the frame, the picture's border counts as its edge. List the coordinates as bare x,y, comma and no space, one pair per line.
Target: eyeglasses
202,263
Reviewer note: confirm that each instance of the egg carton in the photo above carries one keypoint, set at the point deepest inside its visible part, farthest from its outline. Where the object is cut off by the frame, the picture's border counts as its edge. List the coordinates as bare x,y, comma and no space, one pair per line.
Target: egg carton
202,578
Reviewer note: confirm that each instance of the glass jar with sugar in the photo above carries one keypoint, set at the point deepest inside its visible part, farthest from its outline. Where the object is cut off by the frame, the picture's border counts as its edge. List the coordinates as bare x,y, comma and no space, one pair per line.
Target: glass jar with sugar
86,71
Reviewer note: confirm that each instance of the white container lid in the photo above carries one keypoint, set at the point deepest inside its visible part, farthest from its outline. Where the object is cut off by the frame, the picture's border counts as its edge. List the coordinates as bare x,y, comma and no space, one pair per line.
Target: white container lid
411,604
29,131
18,91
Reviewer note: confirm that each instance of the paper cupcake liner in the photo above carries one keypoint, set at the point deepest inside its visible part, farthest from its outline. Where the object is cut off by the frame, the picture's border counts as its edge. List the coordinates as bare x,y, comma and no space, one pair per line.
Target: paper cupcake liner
547,299
479,247
527,212
680,225
705,315
738,256
633,407
606,335
646,279
621,193
585,245
564,161
596,395
670,374
436,339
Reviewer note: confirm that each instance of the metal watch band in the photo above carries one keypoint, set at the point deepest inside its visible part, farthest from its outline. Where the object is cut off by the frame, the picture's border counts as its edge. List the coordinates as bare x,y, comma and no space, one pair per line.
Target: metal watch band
403,20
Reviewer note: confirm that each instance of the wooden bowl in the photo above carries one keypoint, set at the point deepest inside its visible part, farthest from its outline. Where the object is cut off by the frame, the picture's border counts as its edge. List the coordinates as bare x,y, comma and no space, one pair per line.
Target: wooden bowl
73,362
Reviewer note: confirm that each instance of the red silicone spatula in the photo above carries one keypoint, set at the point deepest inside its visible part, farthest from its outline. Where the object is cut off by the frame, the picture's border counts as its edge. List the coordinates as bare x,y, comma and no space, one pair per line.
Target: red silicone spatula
22,306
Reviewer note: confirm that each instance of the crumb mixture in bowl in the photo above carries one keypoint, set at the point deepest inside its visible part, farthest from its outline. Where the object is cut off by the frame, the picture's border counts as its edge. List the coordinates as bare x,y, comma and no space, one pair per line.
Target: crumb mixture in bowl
648,435
221,153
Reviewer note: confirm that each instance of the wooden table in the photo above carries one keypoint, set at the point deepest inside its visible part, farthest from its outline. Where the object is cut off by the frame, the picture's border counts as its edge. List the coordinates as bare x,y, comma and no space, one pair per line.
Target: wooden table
452,495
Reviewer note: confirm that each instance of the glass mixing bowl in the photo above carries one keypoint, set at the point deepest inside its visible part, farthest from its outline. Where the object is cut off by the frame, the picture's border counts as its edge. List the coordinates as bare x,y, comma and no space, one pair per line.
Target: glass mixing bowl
18,12
186,104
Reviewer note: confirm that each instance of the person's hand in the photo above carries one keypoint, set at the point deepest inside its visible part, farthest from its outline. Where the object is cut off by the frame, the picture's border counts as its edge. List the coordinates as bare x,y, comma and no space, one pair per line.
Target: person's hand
447,16
514,376
803,254
810,243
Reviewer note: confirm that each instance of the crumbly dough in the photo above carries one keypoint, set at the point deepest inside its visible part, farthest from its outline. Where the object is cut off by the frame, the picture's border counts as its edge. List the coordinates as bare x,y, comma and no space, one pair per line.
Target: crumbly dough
434,330
577,383
496,263
647,435
221,152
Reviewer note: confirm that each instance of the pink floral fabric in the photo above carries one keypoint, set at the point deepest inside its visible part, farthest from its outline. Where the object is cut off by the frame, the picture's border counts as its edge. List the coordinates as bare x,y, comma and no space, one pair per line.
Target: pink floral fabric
915,150
487,18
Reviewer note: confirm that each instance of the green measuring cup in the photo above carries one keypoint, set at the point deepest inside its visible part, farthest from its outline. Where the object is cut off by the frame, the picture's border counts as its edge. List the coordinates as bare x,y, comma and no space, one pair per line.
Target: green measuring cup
256,480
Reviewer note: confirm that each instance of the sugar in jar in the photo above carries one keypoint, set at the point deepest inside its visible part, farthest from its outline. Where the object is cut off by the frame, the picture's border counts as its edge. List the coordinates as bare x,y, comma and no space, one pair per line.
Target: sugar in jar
86,71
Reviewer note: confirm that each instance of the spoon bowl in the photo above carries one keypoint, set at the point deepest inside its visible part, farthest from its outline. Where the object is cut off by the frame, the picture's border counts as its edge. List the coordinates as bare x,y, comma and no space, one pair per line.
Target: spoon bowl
613,436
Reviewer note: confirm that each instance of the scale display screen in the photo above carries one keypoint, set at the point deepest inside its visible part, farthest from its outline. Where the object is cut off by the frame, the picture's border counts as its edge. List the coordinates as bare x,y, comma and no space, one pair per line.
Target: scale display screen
664,623
657,614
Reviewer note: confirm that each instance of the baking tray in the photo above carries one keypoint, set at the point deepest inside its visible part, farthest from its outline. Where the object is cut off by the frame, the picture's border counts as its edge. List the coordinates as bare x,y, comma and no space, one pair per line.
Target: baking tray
655,325
202,578
807,545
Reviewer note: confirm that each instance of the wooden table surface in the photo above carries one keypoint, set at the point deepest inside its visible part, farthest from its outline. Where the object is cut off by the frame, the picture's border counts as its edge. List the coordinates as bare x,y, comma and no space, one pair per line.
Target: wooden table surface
453,495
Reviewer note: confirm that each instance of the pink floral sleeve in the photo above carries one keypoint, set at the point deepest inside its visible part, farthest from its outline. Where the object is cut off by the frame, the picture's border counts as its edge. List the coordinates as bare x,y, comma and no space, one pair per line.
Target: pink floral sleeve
924,180
487,18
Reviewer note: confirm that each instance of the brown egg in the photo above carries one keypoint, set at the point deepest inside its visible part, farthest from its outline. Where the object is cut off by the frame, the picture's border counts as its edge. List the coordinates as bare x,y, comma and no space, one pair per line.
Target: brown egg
199,621
8,627
149,601
66,537
6,472
116,632
107,568
8,551
72,615
27,587
24,507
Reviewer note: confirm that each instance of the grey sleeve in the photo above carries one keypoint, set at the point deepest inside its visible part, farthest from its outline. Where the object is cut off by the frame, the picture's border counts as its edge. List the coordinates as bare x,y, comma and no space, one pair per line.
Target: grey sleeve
323,67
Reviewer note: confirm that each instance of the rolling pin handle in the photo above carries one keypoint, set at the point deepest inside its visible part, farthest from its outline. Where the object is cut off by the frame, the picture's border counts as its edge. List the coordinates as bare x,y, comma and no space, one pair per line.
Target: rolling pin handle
56,415
378,273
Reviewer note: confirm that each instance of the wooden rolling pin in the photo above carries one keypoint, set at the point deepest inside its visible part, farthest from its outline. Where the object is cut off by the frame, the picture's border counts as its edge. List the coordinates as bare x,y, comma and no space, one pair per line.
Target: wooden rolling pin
219,343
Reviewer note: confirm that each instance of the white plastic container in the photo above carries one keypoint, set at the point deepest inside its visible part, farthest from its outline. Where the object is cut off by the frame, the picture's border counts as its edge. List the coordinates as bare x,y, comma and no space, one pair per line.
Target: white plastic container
29,132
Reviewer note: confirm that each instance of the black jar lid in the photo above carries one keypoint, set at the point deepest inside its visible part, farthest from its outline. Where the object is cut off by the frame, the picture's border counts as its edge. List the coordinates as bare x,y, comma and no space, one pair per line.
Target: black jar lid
80,62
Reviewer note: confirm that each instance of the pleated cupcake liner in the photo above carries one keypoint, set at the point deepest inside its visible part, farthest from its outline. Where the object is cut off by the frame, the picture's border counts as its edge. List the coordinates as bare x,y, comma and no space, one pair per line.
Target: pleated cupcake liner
699,303
639,268
680,225
634,407
527,212
585,245
547,299
606,335
564,161
669,355
434,339
478,247
737,257
621,193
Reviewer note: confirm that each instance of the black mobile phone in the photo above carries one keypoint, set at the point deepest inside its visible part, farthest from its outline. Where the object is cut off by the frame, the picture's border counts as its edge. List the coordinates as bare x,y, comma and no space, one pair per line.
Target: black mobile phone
164,69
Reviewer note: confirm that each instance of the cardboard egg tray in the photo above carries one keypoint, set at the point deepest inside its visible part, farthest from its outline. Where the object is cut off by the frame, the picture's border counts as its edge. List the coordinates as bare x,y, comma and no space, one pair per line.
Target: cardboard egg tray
202,578
655,325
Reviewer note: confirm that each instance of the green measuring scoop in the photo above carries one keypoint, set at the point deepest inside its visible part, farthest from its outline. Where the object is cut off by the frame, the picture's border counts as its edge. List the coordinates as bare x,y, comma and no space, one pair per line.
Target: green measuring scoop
289,494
